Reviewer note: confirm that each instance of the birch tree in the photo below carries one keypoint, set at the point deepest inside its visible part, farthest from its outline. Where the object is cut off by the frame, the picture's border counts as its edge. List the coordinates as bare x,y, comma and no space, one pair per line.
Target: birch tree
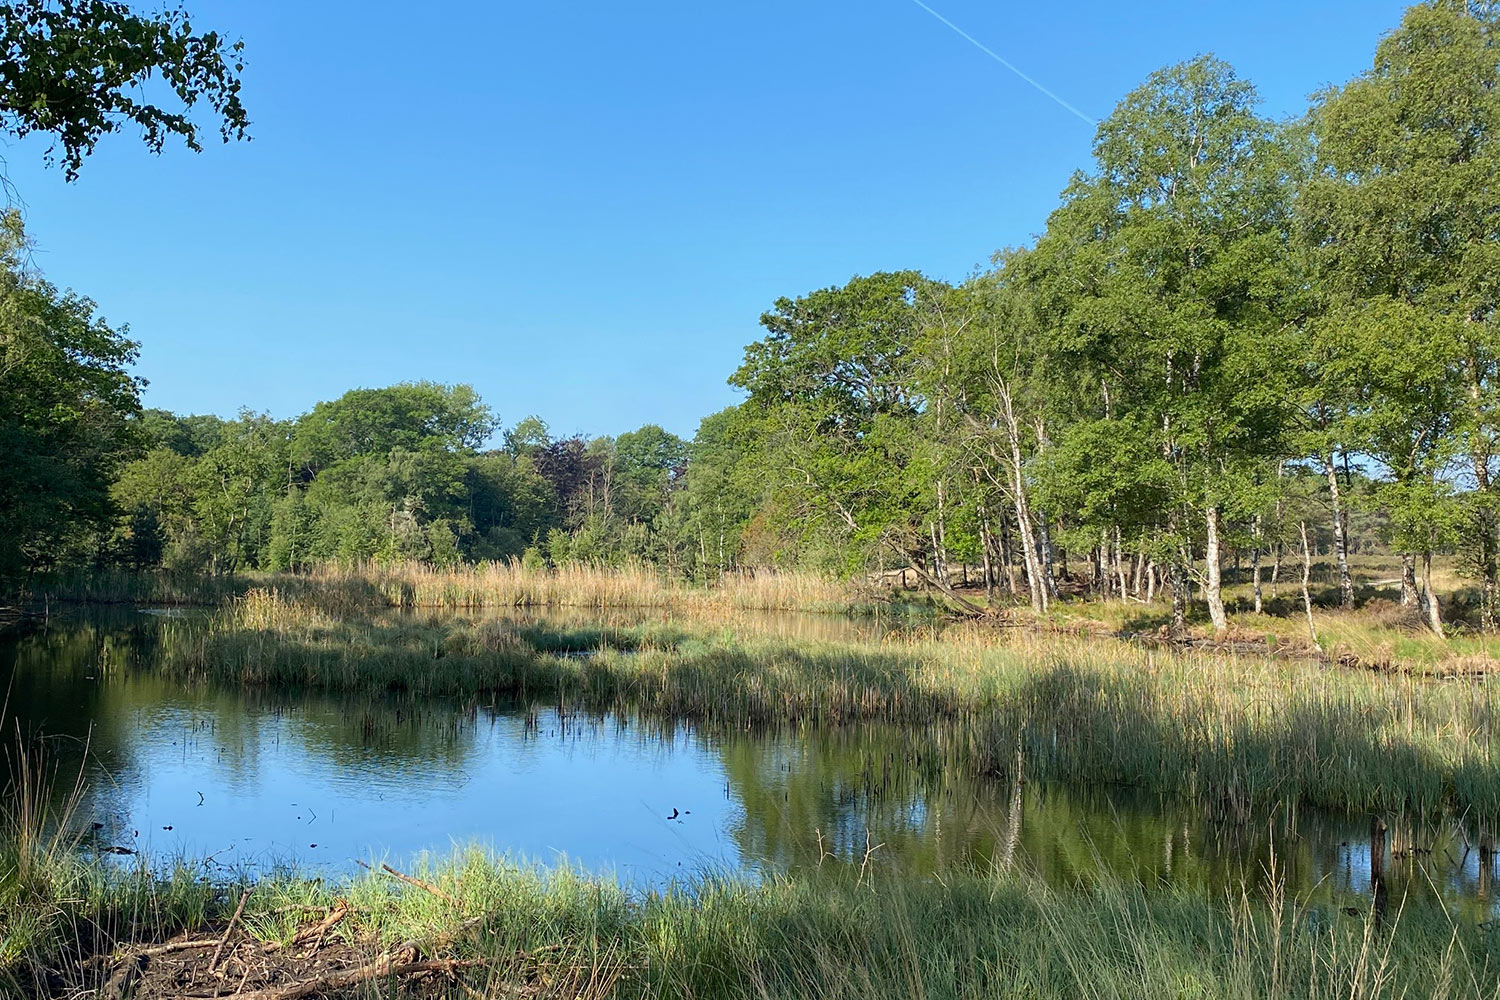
1164,267
1403,219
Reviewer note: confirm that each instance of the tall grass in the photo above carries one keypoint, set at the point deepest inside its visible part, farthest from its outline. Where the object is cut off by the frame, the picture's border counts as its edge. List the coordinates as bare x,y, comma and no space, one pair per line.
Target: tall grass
1379,635
997,933
1236,730
467,587
39,838
37,826
510,584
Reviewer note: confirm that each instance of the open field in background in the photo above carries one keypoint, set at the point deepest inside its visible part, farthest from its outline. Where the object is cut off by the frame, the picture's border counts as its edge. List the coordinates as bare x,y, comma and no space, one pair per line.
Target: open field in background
494,928
1239,729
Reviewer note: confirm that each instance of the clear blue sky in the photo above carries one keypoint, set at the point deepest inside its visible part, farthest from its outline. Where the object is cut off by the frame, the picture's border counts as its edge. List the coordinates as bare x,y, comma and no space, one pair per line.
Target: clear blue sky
583,208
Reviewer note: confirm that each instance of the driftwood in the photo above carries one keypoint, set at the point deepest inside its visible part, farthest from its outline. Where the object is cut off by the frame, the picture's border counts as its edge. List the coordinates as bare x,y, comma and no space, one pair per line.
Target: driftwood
412,958
404,960
410,880
239,911
394,964
122,981
151,951
315,932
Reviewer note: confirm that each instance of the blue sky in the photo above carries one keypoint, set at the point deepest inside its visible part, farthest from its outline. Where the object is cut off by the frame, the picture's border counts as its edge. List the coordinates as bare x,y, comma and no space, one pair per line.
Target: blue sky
583,208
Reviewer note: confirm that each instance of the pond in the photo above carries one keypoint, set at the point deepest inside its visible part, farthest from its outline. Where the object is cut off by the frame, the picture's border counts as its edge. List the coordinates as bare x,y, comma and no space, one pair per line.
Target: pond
248,780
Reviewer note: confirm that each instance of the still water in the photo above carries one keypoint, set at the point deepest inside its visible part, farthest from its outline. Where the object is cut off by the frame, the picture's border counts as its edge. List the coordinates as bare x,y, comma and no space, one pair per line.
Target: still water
255,780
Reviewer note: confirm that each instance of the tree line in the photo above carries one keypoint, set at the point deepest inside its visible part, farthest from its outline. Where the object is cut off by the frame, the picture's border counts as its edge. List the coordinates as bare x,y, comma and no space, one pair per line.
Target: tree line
1236,338
1228,318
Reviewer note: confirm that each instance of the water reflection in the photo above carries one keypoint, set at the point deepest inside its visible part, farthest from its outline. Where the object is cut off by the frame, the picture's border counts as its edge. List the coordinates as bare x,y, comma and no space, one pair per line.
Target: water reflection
257,779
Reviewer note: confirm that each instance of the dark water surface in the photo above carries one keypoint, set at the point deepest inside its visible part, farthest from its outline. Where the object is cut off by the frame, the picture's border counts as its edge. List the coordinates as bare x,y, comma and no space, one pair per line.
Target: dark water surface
259,780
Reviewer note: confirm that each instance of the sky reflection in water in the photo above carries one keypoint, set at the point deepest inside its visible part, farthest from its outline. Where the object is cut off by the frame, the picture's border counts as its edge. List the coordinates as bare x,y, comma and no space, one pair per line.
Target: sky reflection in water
258,780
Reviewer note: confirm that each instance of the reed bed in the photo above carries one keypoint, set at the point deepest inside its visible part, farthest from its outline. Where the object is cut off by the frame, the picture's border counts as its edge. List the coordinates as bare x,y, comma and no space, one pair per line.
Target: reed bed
996,933
1235,730
511,584
469,587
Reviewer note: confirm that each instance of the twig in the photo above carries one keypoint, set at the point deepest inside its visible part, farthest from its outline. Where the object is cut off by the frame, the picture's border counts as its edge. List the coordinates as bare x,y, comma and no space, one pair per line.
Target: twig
409,880
402,962
298,908
151,951
239,911
339,912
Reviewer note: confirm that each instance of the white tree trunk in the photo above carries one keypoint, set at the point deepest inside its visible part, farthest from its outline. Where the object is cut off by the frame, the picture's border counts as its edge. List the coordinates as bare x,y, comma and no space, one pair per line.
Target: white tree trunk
1255,564
1340,535
1306,579
1035,578
1429,597
1213,590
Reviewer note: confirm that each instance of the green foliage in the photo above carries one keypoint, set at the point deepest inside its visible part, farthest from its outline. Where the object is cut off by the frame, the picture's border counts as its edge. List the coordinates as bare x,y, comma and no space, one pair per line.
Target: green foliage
66,402
409,416
74,69
834,390
1230,327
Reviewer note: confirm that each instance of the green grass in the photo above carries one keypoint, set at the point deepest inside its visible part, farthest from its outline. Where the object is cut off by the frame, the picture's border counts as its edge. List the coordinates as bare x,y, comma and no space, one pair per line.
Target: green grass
1237,731
1232,730
975,934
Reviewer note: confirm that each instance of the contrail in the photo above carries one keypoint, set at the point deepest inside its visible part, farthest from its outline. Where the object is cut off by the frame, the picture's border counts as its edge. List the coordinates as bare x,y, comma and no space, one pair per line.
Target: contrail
1004,62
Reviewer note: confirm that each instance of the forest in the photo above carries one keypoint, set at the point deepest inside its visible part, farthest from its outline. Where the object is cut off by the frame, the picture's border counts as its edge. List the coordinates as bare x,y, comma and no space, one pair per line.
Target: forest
1236,339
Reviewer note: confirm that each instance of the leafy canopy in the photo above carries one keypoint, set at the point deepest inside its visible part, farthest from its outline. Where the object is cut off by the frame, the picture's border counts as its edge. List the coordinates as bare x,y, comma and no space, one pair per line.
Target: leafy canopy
78,70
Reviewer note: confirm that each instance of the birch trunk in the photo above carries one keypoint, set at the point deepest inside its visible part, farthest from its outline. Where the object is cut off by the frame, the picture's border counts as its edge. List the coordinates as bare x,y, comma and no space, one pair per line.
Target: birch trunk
1044,523
986,544
1034,576
1278,548
1120,566
1430,598
1340,535
1408,580
1489,550
1489,537
1049,568
1306,579
1179,599
1213,584
1007,558
1255,564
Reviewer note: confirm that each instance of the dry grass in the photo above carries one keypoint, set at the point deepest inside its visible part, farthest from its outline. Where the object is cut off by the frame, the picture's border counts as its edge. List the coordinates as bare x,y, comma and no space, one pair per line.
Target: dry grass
513,585
481,585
